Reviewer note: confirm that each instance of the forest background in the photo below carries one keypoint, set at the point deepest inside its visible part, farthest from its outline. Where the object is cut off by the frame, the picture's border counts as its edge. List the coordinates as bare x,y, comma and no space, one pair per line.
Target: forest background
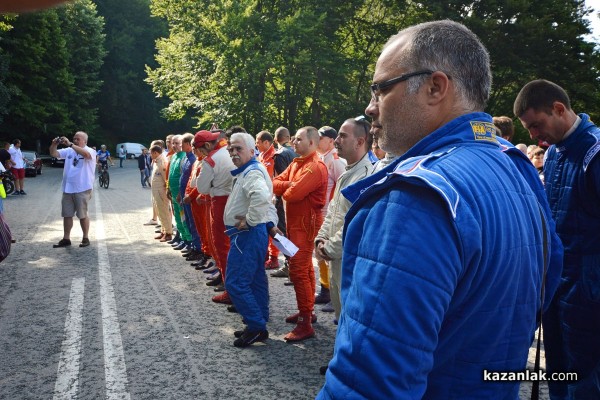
136,70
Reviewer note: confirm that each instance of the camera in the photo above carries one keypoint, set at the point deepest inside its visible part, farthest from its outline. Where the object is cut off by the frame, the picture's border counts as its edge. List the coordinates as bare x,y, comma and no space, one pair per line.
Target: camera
57,140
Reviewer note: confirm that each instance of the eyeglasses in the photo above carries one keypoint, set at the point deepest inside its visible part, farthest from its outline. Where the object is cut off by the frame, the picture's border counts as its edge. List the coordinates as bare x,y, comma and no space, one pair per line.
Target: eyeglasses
376,88
362,121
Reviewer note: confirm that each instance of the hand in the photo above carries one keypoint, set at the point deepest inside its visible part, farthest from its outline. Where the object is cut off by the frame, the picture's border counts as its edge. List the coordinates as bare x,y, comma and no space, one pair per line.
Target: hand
241,224
320,251
274,231
187,200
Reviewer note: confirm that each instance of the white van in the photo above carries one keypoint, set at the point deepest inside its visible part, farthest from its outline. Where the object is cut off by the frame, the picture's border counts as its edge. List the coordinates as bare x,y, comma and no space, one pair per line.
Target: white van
133,150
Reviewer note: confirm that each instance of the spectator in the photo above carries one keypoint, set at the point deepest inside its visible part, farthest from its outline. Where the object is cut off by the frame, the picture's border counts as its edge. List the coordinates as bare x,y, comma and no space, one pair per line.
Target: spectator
380,154
18,166
143,167
522,147
506,127
538,161
419,319
572,173
122,155
249,215
77,184
303,187
282,159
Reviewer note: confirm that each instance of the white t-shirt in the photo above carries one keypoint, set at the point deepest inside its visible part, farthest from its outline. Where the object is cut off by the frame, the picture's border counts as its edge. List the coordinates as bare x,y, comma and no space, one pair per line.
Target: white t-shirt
80,177
16,157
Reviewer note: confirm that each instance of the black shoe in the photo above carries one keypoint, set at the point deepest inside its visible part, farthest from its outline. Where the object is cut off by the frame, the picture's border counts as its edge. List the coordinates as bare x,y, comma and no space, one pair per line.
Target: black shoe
187,251
238,334
62,243
85,242
232,309
23,192
215,282
323,369
219,288
194,257
174,240
288,283
249,337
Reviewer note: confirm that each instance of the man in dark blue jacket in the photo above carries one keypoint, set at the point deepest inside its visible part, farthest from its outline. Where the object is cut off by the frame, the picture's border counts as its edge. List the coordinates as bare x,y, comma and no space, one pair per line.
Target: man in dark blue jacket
572,176
443,248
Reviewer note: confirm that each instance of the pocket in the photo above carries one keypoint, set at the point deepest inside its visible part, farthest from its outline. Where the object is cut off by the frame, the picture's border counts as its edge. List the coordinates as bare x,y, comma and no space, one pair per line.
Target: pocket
590,277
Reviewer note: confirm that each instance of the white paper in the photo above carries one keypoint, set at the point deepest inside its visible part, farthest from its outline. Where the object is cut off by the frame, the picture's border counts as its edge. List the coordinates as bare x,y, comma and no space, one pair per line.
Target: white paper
285,245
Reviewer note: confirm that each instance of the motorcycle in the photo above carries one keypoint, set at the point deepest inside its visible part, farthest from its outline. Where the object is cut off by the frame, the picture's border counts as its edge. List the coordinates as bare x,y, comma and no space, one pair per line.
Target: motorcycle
8,180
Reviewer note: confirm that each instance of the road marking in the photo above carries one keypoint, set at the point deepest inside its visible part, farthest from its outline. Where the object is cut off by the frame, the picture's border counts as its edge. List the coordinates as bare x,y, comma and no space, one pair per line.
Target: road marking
114,359
67,380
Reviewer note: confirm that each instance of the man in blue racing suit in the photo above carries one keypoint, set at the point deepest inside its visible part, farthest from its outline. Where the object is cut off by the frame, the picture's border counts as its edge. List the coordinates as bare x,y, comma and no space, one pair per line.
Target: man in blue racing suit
103,157
443,258
572,176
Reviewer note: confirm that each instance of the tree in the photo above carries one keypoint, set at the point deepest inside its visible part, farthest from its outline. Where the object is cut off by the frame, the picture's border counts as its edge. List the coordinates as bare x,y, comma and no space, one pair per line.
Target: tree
83,32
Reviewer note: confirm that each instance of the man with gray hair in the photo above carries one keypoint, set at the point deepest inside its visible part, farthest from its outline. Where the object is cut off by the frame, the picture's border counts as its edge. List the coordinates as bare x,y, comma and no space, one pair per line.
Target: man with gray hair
77,184
443,249
249,216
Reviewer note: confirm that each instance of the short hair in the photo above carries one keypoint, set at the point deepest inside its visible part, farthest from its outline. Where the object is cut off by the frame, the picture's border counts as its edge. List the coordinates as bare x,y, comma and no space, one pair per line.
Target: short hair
452,48
311,133
540,95
169,137
363,128
506,126
16,141
264,135
156,148
83,135
538,151
234,129
187,138
245,137
282,133
158,142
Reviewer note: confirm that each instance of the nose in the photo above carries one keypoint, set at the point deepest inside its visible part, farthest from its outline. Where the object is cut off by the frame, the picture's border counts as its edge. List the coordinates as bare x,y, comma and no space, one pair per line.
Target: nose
372,109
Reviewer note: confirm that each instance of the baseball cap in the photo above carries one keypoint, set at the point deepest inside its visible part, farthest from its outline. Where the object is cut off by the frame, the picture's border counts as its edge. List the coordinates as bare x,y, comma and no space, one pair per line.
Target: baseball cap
205,136
328,132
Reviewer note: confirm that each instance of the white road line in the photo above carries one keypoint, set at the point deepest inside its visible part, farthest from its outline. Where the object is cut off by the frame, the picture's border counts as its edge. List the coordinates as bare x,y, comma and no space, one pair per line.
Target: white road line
114,359
67,380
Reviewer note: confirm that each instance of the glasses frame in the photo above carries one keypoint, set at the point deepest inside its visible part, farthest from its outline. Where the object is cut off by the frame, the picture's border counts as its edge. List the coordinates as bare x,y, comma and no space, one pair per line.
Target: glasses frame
376,88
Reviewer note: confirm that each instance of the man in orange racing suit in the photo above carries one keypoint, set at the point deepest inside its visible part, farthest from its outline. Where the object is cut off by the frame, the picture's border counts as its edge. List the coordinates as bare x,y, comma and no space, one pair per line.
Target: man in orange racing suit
303,186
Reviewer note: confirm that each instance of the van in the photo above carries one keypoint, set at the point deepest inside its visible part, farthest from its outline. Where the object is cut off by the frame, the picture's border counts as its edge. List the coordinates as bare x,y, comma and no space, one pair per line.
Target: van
133,149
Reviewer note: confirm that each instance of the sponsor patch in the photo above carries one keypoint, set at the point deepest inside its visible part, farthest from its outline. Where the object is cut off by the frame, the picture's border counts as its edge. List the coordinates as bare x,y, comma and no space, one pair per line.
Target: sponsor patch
484,131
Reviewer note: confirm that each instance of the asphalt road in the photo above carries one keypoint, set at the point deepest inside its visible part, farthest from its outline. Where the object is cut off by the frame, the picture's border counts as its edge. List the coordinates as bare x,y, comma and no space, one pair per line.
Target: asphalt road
128,317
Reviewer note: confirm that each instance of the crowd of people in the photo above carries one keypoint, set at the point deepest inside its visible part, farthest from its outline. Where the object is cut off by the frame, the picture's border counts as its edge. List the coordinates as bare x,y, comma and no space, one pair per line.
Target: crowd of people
439,248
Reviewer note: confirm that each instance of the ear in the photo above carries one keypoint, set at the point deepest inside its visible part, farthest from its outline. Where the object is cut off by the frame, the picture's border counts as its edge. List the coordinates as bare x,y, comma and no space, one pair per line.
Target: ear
559,108
438,87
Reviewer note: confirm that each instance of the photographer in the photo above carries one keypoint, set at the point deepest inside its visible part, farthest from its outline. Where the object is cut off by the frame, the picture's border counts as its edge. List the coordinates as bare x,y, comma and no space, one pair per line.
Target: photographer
77,184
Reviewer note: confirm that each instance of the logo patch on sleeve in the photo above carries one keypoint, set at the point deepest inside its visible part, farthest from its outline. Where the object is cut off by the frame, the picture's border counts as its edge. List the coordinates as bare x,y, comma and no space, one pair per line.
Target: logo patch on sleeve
484,131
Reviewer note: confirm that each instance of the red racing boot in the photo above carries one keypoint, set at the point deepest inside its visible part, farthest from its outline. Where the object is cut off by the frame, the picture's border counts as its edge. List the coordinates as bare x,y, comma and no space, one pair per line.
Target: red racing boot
222,298
272,263
303,329
293,319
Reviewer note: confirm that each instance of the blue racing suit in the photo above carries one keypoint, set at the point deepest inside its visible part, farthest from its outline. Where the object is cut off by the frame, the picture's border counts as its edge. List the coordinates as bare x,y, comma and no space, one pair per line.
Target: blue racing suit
441,272
572,324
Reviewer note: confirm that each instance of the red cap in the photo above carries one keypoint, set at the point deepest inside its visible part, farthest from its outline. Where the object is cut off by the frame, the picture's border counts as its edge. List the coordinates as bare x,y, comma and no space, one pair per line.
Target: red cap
205,136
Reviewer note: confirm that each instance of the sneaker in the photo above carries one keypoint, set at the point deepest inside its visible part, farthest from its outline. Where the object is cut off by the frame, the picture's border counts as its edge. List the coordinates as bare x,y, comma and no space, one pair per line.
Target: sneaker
232,309
62,243
219,288
22,192
16,193
174,240
249,337
238,334
323,369
180,246
328,308
151,222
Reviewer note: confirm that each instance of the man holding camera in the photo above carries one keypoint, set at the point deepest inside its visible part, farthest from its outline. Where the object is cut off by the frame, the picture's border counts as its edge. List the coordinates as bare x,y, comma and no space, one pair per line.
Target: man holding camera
77,184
